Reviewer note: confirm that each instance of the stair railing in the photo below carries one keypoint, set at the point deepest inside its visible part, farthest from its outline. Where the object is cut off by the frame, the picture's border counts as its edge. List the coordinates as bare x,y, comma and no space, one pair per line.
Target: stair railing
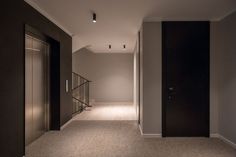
80,93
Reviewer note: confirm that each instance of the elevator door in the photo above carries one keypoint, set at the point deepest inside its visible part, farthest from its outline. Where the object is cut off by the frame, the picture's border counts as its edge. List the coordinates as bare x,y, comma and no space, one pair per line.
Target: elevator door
36,88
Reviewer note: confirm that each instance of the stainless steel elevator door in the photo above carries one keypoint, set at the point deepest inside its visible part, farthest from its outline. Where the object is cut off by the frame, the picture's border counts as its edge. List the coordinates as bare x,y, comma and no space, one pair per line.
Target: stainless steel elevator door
36,88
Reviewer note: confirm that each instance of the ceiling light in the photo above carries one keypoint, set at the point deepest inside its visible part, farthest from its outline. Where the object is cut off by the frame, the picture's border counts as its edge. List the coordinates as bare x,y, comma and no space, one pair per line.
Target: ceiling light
109,46
94,18
124,46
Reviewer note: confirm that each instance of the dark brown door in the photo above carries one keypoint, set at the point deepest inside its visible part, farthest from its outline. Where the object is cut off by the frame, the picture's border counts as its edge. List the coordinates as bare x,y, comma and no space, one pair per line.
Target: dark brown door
185,79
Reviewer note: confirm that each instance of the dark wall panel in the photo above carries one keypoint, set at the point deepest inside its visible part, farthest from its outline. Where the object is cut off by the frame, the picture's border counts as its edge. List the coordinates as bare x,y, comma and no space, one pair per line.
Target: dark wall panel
11,80
65,74
48,28
14,14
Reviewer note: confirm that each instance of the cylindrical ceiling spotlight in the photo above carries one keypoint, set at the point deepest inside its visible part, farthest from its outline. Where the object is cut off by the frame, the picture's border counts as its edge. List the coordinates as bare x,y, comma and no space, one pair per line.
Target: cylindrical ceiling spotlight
94,18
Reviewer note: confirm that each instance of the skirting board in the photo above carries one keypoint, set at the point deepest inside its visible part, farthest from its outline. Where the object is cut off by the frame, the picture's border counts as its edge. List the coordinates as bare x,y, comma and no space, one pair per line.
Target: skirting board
65,125
149,135
224,139
214,135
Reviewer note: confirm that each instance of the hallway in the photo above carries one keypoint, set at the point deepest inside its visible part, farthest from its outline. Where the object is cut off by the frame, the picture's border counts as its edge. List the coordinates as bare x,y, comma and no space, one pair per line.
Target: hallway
108,111
110,136
149,69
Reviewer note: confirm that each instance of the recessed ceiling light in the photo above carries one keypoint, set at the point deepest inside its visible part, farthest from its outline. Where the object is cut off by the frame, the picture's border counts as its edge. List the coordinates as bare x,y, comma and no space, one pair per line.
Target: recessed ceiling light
94,18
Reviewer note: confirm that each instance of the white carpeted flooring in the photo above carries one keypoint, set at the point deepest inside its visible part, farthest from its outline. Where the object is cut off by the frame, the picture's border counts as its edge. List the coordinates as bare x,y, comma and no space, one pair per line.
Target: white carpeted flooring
86,137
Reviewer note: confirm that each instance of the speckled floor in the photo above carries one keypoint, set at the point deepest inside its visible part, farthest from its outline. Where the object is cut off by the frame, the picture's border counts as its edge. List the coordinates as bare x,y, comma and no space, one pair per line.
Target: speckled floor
121,139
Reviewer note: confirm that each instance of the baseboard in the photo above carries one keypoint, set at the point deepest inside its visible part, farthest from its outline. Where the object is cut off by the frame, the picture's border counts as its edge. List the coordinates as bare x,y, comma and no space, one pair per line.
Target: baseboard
215,135
227,141
223,139
149,135
65,125
140,129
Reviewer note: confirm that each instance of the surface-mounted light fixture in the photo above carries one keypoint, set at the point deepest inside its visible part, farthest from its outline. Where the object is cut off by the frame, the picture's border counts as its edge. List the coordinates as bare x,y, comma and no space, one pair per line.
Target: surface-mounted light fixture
94,18
124,46
109,46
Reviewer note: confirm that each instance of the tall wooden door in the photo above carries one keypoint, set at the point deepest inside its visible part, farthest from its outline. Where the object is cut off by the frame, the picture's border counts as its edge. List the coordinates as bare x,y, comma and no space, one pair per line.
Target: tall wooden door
185,101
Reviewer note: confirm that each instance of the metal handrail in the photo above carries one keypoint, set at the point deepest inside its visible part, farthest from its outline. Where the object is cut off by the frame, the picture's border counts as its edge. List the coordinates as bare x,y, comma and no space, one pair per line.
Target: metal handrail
80,85
81,76
80,89
81,102
76,111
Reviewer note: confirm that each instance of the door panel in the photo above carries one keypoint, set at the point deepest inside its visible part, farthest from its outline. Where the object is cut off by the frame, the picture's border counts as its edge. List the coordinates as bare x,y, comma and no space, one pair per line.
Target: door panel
28,93
185,79
39,108
35,89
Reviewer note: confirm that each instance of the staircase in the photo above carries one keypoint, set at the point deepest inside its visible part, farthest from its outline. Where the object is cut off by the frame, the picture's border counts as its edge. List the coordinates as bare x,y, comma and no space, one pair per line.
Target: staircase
80,93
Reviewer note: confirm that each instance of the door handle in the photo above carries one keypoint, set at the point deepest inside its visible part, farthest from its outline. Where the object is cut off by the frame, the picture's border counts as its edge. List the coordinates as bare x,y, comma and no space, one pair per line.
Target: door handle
170,93
171,88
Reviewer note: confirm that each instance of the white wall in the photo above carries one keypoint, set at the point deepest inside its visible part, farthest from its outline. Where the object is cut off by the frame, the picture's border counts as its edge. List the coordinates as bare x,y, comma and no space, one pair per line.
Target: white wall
111,74
224,70
135,96
214,62
136,78
151,62
77,43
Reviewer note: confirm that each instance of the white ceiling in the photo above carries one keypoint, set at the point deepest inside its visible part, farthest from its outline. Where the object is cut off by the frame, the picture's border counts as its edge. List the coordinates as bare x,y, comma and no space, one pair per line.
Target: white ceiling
118,21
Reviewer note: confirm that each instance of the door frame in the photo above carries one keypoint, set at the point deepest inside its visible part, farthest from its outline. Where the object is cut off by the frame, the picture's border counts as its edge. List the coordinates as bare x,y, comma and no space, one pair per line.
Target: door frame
164,76
139,80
